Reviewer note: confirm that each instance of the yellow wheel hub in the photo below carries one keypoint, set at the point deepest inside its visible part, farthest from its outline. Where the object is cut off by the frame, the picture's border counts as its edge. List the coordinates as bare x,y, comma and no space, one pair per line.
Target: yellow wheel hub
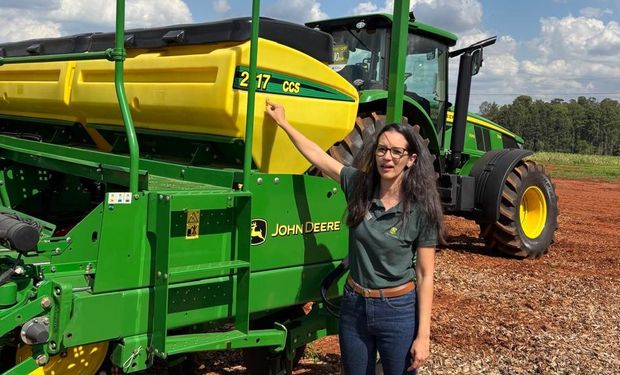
79,360
533,212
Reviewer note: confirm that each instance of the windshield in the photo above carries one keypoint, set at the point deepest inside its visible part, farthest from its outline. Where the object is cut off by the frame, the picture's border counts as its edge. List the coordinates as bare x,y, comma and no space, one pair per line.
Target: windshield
426,74
359,56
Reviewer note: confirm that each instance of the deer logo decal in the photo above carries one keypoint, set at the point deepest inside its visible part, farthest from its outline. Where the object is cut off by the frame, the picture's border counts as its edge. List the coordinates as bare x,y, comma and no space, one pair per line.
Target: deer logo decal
258,231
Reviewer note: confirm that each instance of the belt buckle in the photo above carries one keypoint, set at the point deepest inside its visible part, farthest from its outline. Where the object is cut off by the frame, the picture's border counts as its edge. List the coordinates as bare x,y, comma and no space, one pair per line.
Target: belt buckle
365,292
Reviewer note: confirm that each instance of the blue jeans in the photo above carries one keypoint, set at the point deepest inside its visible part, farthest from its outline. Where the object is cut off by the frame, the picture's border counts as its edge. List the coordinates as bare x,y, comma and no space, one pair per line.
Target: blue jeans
368,325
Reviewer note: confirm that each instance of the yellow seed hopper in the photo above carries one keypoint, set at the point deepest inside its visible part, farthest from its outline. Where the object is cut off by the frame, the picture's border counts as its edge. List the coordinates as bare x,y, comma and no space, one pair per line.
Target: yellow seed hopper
191,79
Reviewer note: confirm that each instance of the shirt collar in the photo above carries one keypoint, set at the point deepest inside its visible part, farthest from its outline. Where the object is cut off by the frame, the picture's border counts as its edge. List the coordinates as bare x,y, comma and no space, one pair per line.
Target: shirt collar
376,201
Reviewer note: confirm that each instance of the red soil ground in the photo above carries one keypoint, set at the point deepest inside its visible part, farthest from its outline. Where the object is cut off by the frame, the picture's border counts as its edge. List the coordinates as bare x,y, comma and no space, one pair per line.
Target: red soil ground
469,317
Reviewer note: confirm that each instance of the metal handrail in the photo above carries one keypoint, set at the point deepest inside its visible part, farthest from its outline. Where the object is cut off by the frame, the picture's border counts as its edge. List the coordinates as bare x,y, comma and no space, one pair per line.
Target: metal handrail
249,121
118,55
396,78
99,55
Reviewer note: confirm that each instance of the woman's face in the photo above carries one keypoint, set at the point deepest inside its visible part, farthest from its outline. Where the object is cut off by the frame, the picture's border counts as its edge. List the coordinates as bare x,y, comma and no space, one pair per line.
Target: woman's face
392,156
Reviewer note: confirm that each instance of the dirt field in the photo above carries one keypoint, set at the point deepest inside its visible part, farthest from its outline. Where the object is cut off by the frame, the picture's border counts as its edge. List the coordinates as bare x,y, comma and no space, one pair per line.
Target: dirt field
556,315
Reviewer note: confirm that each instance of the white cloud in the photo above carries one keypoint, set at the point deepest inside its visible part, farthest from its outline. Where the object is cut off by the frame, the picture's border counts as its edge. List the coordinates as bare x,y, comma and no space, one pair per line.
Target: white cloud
23,28
574,56
30,4
221,6
316,13
458,16
592,12
366,7
570,55
139,13
39,18
453,15
296,10
581,38
501,62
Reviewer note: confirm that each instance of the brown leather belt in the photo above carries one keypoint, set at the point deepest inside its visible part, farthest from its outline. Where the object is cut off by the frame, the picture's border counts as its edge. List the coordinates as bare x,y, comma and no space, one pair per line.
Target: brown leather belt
396,291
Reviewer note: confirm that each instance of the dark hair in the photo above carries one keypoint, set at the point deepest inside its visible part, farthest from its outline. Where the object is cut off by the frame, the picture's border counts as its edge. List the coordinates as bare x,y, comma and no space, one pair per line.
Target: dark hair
418,183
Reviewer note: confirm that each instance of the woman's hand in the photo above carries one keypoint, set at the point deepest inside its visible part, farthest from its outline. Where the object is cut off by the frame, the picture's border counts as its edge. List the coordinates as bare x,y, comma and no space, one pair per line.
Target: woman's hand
276,112
310,150
420,351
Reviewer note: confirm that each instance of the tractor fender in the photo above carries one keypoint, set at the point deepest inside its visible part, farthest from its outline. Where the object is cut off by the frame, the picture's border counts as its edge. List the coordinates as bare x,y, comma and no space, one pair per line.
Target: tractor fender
490,172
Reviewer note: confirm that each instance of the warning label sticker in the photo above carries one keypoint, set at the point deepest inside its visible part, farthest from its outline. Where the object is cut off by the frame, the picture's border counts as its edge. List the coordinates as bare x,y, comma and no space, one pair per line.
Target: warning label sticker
119,198
192,225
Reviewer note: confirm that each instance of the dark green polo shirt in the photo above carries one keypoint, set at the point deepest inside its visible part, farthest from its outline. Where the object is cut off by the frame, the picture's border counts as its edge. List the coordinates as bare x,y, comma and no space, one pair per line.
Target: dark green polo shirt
382,248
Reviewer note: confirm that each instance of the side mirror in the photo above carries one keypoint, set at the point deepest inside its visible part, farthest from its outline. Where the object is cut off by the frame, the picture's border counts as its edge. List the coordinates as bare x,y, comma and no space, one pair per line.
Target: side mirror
476,61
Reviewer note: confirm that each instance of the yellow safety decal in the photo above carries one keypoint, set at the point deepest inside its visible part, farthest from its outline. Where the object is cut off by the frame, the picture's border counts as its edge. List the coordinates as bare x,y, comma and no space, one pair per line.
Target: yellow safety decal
341,53
193,224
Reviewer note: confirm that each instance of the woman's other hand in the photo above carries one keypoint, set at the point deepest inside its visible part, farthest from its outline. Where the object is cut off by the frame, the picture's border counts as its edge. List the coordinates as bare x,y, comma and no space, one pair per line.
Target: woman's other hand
420,351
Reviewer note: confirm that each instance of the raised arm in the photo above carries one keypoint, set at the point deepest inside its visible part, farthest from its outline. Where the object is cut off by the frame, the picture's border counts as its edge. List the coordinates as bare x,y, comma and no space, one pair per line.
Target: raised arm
310,150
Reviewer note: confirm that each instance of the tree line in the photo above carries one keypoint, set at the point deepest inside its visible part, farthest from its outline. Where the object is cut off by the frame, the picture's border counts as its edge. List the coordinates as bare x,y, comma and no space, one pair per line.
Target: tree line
582,125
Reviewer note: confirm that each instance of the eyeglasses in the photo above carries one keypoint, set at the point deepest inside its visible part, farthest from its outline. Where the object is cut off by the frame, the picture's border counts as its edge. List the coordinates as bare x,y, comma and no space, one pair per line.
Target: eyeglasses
396,152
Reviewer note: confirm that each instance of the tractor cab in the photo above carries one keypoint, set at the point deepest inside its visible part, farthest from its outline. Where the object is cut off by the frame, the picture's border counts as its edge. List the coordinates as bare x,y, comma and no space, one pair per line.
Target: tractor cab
362,52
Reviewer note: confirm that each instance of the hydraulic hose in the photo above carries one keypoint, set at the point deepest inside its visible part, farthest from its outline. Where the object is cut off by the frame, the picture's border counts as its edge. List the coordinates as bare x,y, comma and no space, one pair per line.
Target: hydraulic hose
6,276
327,282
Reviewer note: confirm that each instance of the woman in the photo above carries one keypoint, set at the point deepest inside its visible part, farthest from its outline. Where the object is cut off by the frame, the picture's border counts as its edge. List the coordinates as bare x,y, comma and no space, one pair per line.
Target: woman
394,215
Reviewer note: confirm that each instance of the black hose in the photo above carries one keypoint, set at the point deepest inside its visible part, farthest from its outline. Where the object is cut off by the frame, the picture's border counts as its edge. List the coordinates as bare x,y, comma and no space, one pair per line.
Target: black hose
6,276
327,282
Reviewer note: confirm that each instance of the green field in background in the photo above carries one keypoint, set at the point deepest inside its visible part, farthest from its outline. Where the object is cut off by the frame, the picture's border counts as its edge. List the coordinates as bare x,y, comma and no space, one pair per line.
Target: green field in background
575,166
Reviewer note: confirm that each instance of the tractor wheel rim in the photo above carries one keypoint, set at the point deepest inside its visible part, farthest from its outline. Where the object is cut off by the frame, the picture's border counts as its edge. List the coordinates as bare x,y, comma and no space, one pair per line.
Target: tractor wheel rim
533,212
78,360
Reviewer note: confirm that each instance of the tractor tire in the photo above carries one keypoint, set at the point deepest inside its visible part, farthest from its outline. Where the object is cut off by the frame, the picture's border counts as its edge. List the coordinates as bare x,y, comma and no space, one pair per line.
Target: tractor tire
527,213
262,360
362,135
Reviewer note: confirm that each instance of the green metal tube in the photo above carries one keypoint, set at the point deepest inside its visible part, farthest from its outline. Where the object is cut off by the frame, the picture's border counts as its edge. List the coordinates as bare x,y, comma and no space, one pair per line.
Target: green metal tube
24,367
4,195
398,49
119,83
100,55
249,121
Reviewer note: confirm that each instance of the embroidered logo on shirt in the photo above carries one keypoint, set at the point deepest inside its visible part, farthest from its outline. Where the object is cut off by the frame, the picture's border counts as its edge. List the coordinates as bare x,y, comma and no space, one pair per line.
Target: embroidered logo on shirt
392,232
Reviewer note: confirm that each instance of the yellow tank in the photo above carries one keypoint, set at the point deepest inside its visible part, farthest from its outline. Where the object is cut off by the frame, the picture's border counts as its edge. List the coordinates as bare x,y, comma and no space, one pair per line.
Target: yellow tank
197,89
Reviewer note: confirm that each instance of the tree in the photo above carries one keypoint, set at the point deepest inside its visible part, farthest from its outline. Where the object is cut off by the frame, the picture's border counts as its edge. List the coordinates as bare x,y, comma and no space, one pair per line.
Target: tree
489,110
610,127
581,125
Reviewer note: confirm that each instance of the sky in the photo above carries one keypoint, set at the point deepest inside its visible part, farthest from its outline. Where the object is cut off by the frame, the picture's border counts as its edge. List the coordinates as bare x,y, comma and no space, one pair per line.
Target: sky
546,48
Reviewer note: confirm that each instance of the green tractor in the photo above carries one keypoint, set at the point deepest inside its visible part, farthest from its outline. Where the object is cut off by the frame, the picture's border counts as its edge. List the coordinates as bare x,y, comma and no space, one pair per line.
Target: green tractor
149,210
483,174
